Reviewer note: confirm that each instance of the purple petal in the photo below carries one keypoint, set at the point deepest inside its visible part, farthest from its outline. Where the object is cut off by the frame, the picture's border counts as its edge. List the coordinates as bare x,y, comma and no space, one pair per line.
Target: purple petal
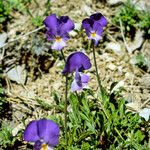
87,24
96,39
58,45
81,80
49,36
84,78
65,37
76,60
37,145
75,86
97,28
99,18
31,132
66,24
53,130
51,23
77,76
48,131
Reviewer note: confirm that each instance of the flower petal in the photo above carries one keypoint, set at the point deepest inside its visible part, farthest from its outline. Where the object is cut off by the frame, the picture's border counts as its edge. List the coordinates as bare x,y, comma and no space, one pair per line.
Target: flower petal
87,24
77,60
75,86
67,24
84,78
96,38
77,76
48,131
58,45
65,37
50,148
51,23
31,132
97,28
42,146
52,135
99,18
80,81
37,145
49,36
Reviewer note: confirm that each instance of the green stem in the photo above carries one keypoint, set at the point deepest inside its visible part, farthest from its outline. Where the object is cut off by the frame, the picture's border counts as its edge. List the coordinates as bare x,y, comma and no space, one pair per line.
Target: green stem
62,53
96,69
65,110
66,101
77,96
101,89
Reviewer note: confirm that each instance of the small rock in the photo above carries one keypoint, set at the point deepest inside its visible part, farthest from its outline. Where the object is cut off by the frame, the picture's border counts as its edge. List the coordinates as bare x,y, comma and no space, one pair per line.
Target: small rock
145,81
129,75
106,57
114,2
17,74
118,86
3,38
87,10
119,70
78,26
17,129
138,41
115,47
73,33
111,66
141,4
145,113
133,106
146,53
133,61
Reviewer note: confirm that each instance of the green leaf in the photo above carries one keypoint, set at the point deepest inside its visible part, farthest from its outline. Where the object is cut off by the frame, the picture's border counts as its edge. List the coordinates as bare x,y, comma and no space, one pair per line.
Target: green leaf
85,146
84,135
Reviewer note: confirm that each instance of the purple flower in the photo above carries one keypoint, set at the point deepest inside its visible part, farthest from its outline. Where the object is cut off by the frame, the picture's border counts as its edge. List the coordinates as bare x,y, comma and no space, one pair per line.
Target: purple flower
78,62
57,30
80,81
94,26
44,133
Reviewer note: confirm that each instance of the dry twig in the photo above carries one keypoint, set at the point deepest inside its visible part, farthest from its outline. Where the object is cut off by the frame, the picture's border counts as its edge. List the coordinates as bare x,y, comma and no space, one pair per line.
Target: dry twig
124,40
22,36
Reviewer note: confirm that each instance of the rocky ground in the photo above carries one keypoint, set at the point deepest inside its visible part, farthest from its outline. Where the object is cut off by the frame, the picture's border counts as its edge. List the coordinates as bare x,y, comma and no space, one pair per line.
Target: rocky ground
40,75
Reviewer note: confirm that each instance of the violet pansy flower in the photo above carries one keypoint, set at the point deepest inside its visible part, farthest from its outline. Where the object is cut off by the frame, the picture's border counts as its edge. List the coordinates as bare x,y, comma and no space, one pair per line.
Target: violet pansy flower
80,81
57,30
94,26
44,133
78,62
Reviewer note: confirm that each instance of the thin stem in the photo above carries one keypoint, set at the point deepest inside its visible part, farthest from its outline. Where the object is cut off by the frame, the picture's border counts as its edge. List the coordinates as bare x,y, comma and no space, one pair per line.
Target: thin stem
65,110
66,101
96,69
119,134
77,95
22,36
62,53
101,89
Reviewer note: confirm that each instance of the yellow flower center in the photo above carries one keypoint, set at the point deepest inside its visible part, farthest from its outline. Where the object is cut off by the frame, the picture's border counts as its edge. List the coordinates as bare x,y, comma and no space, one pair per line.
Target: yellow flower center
93,34
58,39
44,147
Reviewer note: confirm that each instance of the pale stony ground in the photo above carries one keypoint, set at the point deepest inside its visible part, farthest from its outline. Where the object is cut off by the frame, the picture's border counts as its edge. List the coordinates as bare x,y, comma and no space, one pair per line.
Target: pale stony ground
114,62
